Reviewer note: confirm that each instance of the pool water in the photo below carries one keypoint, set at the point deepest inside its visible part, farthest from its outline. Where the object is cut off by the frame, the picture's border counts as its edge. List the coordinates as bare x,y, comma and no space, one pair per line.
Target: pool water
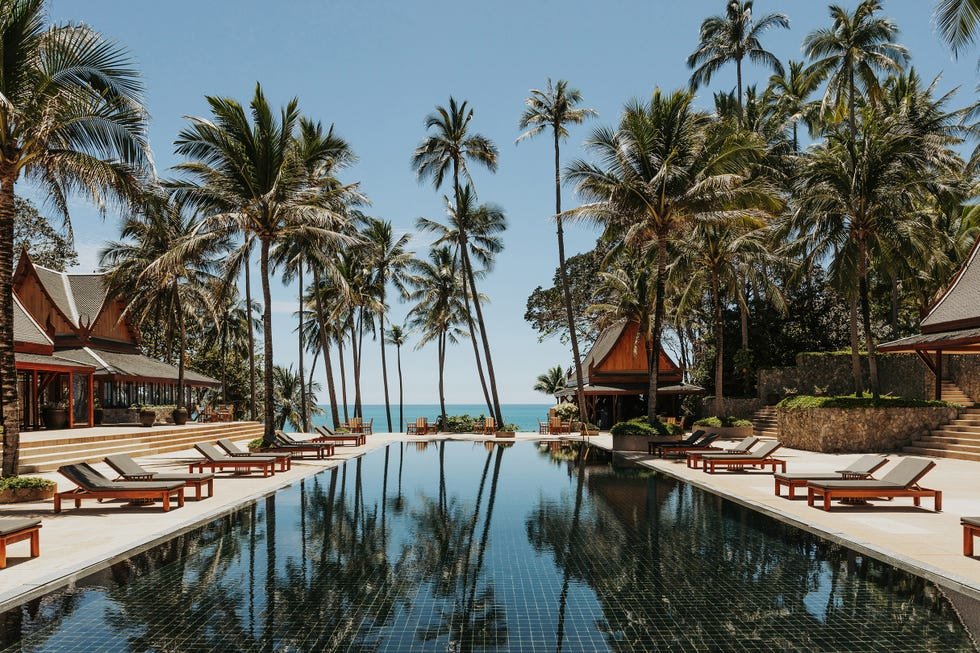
466,546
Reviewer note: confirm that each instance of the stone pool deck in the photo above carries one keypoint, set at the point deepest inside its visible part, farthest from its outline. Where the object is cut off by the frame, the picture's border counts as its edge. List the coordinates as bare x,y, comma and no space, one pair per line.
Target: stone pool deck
921,541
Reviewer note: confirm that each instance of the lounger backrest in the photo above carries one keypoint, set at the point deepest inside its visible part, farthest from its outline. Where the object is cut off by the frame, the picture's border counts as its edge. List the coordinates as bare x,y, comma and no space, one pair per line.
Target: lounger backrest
694,437
209,451
229,446
865,464
908,472
708,439
85,476
281,436
125,465
323,430
745,444
767,449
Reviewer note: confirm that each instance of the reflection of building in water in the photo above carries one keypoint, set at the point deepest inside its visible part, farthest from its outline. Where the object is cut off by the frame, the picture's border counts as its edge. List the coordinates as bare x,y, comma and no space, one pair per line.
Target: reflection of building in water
421,445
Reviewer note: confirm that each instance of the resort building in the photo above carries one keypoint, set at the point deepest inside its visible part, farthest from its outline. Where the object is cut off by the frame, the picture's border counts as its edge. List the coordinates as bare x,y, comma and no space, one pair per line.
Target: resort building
616,375
77,353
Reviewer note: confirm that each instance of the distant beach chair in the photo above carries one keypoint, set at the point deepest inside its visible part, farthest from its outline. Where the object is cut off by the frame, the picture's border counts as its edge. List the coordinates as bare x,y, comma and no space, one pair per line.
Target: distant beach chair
326,435
284,459
557,427
698,439
130,470
287,444
862,468
543,428
214,459
901,481
489,426
17,530
971,528
694,457
760,458
93,485
419,427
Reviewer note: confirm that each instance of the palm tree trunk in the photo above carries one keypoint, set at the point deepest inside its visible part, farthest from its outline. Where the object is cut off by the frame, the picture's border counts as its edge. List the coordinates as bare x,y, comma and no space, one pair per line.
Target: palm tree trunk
476,347
738,75
442,381
269,435
566,291
384,366
303,412
856,372
743,309
491,377
719,347
401,394
658,323
866,314
182,333
343,374
224,361
251,332
356,353
325,347
8,367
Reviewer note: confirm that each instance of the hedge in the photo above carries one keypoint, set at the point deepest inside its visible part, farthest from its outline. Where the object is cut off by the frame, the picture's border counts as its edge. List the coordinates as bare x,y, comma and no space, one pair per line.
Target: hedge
724,421
640,426
852,401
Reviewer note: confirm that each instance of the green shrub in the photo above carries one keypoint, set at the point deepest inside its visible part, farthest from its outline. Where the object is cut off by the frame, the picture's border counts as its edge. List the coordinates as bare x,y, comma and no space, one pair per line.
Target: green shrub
26,482
724,421
510,427
255,444
852,401
464,423
566,411
640,426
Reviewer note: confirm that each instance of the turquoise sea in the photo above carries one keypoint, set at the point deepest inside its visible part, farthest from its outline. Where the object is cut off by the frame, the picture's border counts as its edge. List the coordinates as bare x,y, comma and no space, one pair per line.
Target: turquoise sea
525,416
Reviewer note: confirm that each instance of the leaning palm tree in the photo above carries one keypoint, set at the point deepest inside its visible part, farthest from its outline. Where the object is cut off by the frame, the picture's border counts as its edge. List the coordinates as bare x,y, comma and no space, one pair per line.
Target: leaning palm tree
551,382
246,173
556,107
391,259
72,118
958,22
731,38
851,53
446,150
662,169
398,337
288,399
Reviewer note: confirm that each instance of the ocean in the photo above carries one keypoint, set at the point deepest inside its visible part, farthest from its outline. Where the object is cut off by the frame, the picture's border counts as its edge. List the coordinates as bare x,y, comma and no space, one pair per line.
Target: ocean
525,416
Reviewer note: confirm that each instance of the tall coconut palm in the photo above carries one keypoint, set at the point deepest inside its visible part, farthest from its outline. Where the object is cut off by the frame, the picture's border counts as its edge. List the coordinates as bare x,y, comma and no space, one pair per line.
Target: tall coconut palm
391,260
789,95
167,266
557,107
398,337
240,263
438,310
446,150
958,22
251,161
661,170
731,38
287,397
72,118
473,230
551,382
851,53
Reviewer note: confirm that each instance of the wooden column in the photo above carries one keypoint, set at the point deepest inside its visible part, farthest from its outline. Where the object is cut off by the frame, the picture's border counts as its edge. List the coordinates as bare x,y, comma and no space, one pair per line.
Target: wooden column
91,400
71,401
939,374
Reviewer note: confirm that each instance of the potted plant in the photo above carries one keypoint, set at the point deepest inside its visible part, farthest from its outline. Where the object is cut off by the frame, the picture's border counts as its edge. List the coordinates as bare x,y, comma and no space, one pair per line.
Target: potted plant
97,413
147,415
508,431
55,415
17,489
179,415
725,426
635,434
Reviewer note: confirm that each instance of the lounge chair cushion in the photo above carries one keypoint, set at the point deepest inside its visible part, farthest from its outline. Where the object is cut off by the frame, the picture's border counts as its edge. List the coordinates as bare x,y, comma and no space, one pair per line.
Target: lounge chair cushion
126,466
88,478
858,485
12,524
908,471
971,521
864,465
761,453
183,478
215,456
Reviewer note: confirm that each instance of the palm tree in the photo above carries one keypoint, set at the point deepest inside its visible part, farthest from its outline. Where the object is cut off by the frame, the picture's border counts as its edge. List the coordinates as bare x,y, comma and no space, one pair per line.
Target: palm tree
851,53
252,162
958,22
447,150
398,337
287,397
557,106
473,232
71,119
660,171
437,289
551,382
733,37
391,261
789,95
168,267
239,262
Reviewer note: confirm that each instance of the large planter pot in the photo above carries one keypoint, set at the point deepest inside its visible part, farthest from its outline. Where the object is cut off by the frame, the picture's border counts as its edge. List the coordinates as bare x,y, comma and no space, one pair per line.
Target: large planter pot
97,415
55,418
26,494
728,432
637,442
147,418
506,434
179,416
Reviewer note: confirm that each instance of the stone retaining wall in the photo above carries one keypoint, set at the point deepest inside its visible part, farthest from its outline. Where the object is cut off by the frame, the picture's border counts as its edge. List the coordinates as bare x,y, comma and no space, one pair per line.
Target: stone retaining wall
743,407
902,375
857,430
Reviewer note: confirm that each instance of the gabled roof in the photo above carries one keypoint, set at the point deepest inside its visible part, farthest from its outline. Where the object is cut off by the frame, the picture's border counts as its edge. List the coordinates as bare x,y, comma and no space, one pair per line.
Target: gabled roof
128,364
958,307
26,328
79,296
603,344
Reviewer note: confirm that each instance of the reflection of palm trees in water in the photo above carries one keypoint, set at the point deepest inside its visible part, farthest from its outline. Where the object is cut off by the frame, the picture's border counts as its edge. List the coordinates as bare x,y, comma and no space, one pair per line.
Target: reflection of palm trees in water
573,533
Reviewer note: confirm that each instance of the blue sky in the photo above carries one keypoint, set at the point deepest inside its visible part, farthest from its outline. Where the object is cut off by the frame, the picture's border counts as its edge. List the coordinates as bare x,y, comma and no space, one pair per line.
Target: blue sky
376,68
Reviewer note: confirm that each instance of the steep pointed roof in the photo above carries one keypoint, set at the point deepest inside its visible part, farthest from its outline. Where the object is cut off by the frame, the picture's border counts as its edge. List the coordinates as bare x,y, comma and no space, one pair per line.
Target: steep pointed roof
78,296
26,328
958,307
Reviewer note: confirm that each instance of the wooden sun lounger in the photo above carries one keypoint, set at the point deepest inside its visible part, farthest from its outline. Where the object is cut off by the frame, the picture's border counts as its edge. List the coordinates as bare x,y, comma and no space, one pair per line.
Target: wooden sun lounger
215,461
285,460
971,528
285,443
489,427
129,470
419,427
17,530
760,459
694,457
354,439
93,485
696,440
862,468
901,481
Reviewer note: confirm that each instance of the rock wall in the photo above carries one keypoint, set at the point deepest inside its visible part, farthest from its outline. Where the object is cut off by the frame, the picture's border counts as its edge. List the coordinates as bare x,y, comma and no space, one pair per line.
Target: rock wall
964,371
743,407
857,430
902,375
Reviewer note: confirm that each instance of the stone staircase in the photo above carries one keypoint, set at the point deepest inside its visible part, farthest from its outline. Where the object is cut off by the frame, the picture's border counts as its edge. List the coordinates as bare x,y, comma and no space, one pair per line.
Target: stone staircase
764,423
41,455
959,438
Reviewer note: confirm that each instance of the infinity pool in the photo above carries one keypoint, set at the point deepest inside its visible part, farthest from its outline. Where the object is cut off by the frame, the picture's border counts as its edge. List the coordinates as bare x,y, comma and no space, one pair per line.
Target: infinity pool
471,546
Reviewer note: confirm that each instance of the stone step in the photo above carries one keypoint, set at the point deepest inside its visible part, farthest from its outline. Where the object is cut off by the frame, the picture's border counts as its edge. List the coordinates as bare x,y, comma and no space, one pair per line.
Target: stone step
960,428
148,438
37,438
943,445
944,432
942,453
950,439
